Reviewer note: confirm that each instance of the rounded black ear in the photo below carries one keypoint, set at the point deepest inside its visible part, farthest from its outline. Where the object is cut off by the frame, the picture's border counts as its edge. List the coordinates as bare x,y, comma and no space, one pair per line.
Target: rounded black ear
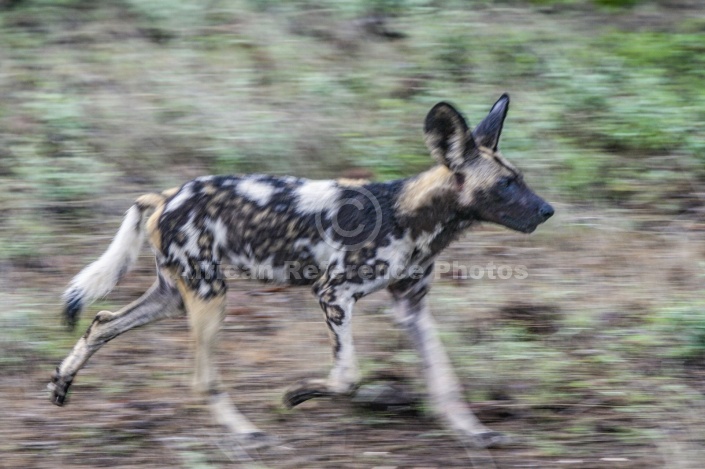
487,132
446,135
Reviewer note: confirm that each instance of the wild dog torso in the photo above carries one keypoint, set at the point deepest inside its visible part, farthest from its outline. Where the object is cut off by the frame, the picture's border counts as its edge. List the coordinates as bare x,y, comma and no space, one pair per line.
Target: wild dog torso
293,230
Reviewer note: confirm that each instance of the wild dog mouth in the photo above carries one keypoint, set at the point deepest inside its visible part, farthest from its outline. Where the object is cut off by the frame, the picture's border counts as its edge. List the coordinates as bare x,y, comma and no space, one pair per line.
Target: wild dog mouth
514,224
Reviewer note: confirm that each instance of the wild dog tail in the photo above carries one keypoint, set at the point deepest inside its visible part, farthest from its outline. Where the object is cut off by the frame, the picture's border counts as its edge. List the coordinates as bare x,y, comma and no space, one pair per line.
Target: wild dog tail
97,279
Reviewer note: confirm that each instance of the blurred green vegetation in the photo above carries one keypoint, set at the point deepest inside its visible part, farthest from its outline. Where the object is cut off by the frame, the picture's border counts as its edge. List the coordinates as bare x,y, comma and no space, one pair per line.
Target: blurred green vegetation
104,97
103,101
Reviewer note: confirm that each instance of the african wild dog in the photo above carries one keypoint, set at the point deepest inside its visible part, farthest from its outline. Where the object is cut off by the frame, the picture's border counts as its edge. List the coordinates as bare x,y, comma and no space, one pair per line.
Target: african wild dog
352,239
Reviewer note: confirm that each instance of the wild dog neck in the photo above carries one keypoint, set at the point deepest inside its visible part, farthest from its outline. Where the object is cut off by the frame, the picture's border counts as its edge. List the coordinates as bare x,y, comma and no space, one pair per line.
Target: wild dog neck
429,204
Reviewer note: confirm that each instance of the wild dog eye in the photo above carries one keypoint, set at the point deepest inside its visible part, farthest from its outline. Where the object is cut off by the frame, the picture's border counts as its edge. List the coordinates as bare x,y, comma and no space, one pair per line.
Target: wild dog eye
506,182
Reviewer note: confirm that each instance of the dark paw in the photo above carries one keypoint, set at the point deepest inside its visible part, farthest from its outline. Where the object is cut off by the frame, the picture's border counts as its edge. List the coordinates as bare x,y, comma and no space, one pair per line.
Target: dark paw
490,440
302,392
59,387
386,397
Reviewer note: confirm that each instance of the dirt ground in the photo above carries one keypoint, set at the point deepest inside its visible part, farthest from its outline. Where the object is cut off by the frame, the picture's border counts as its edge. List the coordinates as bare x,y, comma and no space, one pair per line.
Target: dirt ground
132,405
596,359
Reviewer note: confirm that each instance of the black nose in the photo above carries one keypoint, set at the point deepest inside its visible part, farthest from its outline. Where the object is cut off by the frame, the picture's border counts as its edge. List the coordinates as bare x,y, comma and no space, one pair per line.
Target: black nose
546,211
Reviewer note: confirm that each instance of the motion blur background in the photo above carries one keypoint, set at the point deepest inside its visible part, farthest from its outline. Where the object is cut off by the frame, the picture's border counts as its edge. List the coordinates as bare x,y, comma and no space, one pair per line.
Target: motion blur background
596,359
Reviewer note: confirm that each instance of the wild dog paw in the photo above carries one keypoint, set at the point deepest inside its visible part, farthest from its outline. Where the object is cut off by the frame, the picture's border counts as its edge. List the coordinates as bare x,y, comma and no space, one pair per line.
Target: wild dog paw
305,390
104,316
59,387
387,397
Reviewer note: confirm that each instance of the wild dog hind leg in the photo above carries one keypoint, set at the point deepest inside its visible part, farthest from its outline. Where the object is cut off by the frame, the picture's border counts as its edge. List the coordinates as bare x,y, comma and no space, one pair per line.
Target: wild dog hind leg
205,317
162,300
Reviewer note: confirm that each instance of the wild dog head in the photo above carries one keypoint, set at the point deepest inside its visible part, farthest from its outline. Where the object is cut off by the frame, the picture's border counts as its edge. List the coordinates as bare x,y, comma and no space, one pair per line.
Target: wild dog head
489,188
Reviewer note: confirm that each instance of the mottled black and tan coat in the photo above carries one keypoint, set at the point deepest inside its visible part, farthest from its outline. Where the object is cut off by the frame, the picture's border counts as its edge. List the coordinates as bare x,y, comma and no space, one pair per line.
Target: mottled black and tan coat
344,238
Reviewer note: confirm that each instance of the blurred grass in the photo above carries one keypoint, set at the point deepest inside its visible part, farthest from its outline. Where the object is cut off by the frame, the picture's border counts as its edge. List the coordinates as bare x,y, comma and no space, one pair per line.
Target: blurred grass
102,101
103,96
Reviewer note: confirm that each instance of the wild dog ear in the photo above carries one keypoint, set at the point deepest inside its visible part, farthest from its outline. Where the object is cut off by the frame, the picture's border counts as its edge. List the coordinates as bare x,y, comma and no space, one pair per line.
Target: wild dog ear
446,135
488,131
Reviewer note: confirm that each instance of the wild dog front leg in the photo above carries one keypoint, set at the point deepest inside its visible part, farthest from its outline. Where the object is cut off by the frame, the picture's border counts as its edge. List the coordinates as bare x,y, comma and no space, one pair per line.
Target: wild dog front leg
337,304
160,301
413,314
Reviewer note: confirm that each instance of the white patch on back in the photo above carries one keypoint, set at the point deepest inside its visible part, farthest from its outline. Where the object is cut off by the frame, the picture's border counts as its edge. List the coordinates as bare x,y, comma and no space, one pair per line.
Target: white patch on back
316,196
260,192
184,194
